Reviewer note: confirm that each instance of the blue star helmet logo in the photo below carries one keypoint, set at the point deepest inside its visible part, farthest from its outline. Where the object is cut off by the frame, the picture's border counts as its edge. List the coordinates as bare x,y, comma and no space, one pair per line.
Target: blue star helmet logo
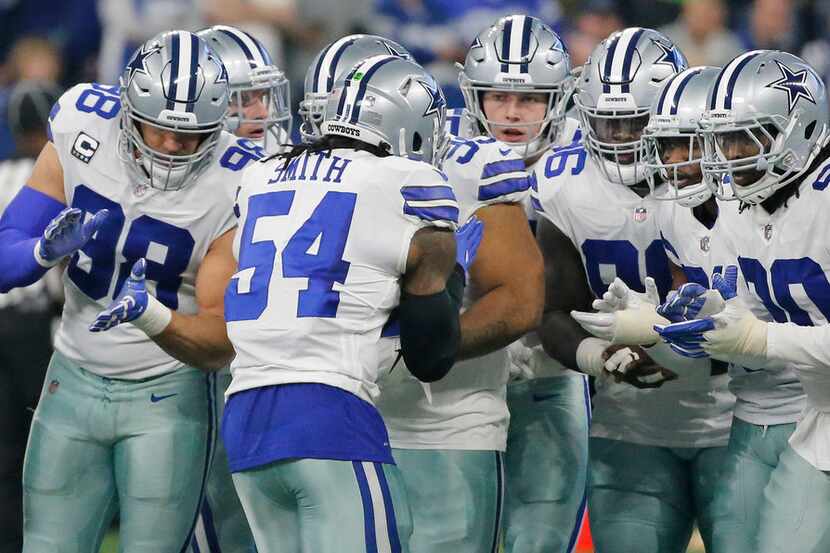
223,72
436,98
397,53
670,56
476,44
794,83
137,64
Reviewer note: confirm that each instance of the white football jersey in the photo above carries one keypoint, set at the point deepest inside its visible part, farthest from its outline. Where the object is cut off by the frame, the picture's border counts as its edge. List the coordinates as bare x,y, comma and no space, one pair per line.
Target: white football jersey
466,409
322,245
616,234
763,396
784,263
172,230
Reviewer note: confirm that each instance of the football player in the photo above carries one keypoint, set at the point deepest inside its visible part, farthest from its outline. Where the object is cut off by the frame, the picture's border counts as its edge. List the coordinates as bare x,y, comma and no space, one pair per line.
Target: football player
598,223
134,192
522,103
449,437
766,137
258,111
363,230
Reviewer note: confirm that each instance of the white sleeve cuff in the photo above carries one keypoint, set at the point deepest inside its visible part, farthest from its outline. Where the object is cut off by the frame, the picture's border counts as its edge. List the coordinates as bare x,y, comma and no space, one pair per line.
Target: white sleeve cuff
799,345
42,262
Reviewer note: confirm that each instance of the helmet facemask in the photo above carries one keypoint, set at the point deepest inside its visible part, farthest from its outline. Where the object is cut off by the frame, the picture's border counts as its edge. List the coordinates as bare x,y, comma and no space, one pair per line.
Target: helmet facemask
267,103
542,132
674,156
614,138
750,156
158,170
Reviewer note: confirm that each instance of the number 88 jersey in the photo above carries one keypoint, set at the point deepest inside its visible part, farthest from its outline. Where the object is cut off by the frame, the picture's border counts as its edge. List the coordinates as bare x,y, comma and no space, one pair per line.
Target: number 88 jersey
322,244
173,230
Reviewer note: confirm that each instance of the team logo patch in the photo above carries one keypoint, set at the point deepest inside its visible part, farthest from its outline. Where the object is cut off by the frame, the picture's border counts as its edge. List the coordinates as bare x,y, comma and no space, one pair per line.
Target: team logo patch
85,147
640,214
768,232
704,244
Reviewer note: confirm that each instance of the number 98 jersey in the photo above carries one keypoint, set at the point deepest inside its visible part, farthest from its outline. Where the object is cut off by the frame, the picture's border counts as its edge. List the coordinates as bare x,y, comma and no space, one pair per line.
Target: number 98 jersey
323,242
172,230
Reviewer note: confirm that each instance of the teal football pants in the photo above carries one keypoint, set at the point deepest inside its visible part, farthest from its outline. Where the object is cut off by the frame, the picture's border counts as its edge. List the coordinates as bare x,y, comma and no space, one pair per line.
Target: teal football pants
325,506
101,445
795,514
646,499
546,464
222,526
456,499
753,455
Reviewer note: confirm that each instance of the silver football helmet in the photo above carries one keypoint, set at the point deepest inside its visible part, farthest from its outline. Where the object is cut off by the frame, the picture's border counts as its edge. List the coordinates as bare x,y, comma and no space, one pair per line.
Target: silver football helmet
613,96
175,83
389,102
257,85
766,120
519,53
673,146
329,66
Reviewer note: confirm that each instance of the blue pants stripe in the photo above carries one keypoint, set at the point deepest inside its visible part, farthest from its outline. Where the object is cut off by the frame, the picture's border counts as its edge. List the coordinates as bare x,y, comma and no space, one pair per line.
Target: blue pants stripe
499,501
210,385
368,510
391,522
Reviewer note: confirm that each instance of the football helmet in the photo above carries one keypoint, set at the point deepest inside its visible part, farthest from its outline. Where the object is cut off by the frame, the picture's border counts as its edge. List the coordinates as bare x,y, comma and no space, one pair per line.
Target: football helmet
519,53
673,146
255,82
765,123
176,83
613,96
389,102
329,66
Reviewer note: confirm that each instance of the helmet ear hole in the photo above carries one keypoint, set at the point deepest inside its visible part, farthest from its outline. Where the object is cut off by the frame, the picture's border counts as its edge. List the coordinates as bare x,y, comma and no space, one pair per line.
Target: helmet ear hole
808,131
417,142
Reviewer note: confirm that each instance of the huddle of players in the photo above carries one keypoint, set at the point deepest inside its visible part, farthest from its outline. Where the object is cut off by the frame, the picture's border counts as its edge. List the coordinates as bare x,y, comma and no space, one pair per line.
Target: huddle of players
627,202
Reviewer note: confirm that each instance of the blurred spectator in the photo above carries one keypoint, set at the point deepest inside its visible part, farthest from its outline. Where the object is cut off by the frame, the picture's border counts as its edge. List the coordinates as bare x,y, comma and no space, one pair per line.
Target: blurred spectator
27,316
700,33
596,20
268,20
769,24
127,24
30,59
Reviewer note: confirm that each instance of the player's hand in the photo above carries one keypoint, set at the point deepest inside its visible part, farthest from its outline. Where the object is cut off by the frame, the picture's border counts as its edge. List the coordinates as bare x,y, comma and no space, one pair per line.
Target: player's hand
467,239
738,333
130,303
632,365
624,317
66,234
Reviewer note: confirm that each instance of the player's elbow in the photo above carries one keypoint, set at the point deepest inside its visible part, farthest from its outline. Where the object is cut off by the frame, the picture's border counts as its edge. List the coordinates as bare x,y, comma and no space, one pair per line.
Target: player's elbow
529,302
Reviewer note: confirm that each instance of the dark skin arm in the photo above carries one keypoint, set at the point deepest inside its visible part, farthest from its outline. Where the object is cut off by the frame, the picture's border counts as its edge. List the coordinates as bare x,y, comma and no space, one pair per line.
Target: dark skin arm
430,261
566,289
507,280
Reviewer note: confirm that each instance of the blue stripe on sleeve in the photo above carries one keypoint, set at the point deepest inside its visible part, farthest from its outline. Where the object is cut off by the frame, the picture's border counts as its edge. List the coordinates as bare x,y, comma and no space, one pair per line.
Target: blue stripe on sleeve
425,193
437,213
503,188
501,167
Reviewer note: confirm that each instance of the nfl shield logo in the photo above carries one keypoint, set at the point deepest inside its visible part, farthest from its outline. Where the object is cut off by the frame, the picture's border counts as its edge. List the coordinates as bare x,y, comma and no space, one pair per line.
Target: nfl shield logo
53,386
704,244
640,214
768,232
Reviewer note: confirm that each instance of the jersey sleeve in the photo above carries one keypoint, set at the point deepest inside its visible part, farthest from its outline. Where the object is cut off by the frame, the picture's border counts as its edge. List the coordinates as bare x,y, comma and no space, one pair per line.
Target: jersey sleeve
548,198
81,107
665,220
428,199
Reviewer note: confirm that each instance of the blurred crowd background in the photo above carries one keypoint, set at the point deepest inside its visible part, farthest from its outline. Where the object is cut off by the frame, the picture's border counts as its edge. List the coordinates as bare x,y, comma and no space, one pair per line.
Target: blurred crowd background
48,45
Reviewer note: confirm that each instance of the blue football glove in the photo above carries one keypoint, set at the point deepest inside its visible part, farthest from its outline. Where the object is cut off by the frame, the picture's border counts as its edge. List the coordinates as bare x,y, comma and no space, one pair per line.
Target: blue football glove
685,304
130,303
467,239
727,283
66,234
685,338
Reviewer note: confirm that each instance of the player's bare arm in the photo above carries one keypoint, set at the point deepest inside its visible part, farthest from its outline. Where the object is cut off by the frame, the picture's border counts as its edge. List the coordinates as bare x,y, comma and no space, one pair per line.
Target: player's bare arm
566,289
201,340
47,174
507,277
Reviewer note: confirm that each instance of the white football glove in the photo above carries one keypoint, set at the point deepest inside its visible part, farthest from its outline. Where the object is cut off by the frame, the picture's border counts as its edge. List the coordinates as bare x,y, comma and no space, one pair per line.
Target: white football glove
624,316
738,333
